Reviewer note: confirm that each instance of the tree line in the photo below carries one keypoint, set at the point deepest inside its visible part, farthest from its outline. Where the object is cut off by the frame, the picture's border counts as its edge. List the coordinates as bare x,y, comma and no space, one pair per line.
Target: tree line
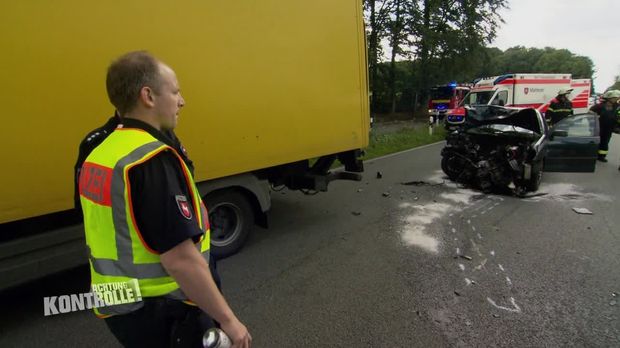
416,44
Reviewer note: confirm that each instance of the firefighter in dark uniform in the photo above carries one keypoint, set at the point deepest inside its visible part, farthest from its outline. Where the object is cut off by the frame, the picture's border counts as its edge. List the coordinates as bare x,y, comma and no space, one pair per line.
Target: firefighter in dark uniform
560,107
144,219
608,117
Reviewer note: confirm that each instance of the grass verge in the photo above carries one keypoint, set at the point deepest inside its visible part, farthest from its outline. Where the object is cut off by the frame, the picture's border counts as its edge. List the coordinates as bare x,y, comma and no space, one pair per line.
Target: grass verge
404,139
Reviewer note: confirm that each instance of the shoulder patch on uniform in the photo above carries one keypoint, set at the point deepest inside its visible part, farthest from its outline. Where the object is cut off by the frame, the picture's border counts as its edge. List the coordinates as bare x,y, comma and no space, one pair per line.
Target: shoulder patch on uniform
184,207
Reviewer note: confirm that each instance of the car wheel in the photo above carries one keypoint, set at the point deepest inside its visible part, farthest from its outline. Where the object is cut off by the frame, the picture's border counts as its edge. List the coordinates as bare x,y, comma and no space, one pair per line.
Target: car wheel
231,218
452,166
537,173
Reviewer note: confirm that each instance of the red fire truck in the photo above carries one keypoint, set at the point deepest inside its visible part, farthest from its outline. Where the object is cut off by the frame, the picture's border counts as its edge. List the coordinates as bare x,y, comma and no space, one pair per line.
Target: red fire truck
445,98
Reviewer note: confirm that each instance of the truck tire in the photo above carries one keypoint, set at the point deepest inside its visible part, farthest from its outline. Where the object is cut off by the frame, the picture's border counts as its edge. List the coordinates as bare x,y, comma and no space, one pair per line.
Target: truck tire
231,218
537,172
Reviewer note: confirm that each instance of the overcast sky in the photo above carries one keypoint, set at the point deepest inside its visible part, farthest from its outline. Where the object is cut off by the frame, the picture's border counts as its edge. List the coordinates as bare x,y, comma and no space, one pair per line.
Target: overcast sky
585,27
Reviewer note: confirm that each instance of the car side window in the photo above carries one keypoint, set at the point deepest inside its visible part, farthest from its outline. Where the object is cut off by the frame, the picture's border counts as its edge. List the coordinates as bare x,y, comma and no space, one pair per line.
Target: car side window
579,126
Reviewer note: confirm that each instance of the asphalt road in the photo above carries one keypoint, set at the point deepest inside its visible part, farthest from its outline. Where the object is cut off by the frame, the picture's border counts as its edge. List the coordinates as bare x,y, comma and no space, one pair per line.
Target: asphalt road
379,263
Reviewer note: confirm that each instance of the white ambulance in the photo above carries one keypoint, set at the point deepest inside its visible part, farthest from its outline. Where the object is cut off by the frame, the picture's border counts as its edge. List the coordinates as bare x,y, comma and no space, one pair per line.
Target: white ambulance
521,91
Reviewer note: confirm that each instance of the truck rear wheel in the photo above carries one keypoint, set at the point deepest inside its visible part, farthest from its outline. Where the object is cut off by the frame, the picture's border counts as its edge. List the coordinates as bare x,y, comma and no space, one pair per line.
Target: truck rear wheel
231,218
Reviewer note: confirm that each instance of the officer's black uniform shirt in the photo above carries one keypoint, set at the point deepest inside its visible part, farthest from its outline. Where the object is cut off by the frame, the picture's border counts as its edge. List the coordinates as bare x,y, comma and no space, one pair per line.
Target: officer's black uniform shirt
155,185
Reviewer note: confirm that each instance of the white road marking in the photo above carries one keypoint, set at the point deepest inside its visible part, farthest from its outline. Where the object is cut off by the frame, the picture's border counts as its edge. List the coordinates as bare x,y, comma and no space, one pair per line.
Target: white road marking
479,267
475,247
508,281
502,268
462,266
515,309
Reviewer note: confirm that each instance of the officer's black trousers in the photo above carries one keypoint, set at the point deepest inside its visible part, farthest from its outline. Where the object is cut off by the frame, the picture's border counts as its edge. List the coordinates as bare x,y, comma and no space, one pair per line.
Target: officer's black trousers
606,132
161,323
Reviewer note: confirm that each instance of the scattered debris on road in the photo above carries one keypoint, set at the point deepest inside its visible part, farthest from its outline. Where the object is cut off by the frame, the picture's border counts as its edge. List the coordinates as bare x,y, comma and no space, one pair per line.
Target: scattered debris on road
356,213
465,257
386,194
582,211
379,175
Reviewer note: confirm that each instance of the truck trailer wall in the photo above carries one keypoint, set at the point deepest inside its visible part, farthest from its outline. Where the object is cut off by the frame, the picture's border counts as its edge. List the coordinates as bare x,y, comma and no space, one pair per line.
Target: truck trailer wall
266,83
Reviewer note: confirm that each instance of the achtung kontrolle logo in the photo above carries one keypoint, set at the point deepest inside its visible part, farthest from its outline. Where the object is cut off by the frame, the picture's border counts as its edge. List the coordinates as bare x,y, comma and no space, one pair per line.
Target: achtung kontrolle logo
101,295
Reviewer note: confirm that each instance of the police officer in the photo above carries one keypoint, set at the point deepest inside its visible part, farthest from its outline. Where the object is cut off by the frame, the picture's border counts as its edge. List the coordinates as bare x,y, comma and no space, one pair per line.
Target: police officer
97,136
608,117
560,107
144,219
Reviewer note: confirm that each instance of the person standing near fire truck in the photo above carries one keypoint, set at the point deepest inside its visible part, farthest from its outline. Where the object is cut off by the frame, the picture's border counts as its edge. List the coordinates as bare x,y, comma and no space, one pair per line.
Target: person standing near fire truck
608,117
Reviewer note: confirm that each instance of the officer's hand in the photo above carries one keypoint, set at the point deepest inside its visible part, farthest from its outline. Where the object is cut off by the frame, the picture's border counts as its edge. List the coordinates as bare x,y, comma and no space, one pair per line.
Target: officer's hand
238,333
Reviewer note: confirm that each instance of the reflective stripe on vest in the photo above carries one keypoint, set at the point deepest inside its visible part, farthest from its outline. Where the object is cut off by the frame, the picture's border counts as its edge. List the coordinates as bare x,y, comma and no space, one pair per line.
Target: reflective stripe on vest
116,249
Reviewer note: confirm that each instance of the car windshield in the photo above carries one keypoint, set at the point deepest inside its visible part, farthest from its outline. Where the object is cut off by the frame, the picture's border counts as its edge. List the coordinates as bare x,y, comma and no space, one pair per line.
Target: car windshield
478,98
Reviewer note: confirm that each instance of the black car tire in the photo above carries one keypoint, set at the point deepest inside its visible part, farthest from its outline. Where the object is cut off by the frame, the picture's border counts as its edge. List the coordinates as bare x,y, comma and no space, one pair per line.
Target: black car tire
452,165
231,218
537,172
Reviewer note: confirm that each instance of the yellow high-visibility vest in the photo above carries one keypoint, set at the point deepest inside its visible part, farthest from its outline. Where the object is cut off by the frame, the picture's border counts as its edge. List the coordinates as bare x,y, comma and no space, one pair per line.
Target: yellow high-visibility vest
117,251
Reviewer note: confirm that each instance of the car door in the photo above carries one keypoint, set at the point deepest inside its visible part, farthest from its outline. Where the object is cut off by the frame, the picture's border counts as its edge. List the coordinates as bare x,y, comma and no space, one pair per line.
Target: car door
573,144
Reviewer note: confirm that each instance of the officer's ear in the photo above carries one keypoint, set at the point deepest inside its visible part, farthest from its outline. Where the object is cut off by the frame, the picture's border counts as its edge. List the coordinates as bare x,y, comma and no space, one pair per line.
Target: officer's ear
147,97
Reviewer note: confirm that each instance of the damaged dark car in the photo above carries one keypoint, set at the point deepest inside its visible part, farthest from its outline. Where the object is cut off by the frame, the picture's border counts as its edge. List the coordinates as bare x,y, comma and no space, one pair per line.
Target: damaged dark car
507,150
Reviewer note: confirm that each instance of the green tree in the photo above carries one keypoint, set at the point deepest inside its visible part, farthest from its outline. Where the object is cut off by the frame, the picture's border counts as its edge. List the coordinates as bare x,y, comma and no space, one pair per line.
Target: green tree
377,14
616,84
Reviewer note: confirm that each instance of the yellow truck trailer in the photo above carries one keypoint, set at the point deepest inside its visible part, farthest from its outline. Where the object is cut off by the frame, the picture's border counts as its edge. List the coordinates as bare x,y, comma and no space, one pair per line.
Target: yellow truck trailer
269,85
